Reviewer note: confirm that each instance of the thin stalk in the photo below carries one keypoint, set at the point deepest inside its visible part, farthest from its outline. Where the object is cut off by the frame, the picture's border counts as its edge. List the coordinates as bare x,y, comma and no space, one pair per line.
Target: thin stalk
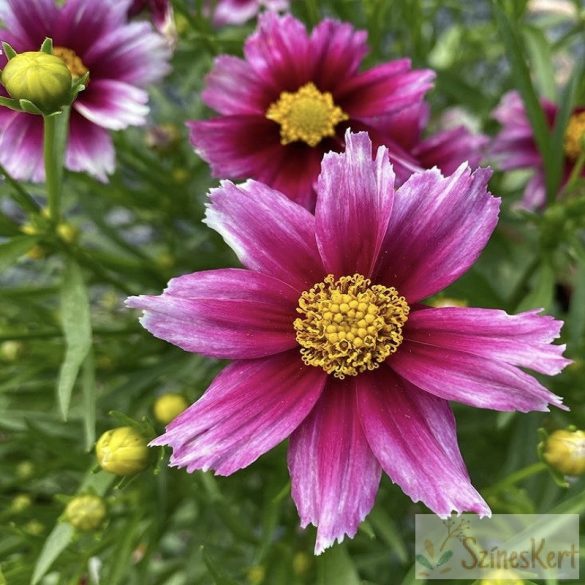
54,144
517,476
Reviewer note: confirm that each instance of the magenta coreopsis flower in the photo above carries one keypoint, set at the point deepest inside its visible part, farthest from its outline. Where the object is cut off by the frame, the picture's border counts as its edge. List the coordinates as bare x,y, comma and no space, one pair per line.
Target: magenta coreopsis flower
333,346
514,147
122,59
291,99
240,11
162,16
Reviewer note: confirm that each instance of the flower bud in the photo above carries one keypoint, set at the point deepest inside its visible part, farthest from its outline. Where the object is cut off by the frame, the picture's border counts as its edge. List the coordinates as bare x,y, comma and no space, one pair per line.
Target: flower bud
10,350
40,78
20,503
86,513
168,406
502,577
122,451
564,450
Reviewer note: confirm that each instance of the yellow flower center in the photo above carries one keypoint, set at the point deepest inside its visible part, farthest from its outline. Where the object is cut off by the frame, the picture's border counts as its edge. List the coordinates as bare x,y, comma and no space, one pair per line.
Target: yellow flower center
574,135
73,62
348,325
308,115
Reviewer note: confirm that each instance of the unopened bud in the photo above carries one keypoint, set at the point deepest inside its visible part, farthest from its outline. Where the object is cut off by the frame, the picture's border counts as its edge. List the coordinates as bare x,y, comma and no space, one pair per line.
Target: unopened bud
169,406
502,577
122,451
40,78
564,450
86,513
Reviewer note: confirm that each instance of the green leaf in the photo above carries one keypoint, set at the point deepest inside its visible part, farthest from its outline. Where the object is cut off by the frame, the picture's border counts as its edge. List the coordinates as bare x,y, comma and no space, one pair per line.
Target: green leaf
88,389
335,566
521,75
29,107
8,51
76,323
540,54
423,561
444,557
47,46
542,294
576,320
385,526
55,544
12,250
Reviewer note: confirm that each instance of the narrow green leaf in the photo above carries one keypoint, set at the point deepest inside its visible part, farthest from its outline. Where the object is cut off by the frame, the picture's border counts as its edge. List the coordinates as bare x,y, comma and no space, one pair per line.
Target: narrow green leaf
423,561
12,250
76,323
8,51
55,544
88,388
385,527
542,293
521,75
540,54
29,107
576,320
444,557
335,566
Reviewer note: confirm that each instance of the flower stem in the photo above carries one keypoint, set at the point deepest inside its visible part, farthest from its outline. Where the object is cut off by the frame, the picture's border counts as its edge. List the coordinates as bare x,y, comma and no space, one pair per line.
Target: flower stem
517,476
576,172
54,144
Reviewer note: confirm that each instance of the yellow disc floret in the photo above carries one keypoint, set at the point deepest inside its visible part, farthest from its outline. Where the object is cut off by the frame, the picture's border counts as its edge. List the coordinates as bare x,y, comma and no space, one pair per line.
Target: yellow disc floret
575,135
308,115
74,63
39,78
348,325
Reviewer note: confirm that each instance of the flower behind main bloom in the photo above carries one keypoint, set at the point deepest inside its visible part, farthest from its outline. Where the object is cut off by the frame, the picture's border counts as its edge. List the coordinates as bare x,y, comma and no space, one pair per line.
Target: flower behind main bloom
122,59
514,147
292,97
333,346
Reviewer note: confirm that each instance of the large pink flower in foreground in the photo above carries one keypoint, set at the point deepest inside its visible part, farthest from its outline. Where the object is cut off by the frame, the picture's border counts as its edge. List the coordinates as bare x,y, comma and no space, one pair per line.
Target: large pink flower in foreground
333,347
515,147
122,60
291,99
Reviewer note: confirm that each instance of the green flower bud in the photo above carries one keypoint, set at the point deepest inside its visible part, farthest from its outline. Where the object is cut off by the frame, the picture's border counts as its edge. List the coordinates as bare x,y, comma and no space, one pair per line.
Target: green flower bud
502,577
20,503
86,513
40,78
122,451
564,450
169,406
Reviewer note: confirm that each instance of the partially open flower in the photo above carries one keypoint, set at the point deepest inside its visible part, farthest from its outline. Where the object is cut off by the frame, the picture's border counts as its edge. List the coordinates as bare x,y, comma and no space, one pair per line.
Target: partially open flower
86,513
564,450
40,78
169,406
122,451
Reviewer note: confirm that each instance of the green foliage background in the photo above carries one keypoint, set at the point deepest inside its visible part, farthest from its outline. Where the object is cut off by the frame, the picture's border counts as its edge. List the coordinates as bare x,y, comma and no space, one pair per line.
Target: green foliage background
61,303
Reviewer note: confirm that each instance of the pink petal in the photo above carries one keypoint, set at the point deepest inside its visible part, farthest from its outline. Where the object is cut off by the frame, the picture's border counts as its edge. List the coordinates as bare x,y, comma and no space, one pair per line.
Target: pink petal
279,52
354,204
232,87
90,148
230,313
113,104
438,228
21,146
519,340
133,53
471,379
413,436
449,148
334,474
336,51
383,89
250,407
234,11
535,192
27,23
268,232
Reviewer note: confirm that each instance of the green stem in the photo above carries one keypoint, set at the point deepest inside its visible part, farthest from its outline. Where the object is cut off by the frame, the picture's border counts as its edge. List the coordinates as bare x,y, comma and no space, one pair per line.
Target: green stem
54,144
576,172
517,476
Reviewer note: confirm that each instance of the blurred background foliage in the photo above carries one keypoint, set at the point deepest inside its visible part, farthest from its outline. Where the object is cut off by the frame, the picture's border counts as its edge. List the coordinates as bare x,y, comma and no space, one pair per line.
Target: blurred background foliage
61,299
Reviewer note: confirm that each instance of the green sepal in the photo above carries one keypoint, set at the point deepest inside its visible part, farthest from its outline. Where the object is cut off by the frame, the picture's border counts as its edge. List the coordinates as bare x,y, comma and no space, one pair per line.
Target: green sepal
8,51
10,103
47,46
30,108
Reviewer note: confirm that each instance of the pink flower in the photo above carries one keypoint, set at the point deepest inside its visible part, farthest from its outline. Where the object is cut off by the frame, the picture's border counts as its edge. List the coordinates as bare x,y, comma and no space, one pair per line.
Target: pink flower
515,147
240,11
162,17
331,343
291,99
122,60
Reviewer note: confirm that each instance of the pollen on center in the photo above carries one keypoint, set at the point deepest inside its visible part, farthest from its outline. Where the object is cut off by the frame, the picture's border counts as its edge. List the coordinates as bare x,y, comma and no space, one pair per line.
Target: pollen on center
306,115
348,325
74,63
